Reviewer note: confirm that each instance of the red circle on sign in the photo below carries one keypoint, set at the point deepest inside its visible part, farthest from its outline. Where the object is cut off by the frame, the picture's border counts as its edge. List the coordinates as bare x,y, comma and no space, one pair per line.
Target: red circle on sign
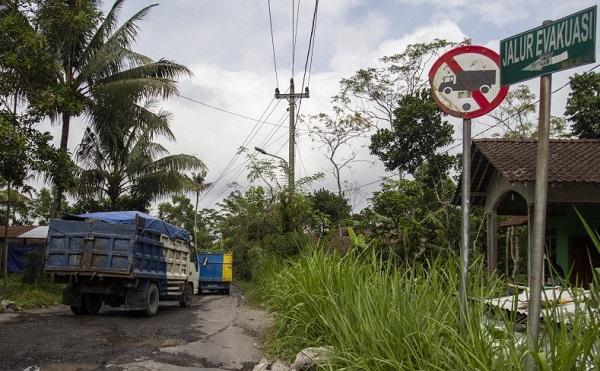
485,105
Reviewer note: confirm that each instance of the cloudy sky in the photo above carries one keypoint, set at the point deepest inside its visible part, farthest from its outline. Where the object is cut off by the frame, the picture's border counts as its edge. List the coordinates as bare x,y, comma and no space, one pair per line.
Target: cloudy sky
227,45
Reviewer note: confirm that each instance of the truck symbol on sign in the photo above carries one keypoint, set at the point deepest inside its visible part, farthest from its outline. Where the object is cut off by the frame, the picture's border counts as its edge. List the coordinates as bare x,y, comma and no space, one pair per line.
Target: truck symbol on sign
481,80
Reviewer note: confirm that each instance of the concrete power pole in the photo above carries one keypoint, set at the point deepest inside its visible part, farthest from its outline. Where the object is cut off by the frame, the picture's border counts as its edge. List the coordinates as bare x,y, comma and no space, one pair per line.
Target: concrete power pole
292,97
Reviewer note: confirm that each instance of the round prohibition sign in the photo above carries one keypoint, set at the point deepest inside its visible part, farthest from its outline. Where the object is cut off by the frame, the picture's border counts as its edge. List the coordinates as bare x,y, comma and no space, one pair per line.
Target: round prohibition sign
465,81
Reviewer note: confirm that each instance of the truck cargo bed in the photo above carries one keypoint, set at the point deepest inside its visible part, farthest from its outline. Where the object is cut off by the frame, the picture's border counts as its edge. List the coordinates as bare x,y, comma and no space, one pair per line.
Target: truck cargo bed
94,247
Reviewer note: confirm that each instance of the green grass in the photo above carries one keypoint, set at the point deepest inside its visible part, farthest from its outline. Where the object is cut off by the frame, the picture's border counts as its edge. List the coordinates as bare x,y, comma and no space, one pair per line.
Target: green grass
381,317
28,296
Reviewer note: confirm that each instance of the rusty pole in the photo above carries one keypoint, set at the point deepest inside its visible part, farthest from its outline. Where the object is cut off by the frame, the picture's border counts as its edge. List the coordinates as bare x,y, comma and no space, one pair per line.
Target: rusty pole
464,226
536,253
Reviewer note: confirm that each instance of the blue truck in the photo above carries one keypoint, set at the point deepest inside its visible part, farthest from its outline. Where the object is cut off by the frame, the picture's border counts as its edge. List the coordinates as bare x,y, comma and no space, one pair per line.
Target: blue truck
122,259
216,271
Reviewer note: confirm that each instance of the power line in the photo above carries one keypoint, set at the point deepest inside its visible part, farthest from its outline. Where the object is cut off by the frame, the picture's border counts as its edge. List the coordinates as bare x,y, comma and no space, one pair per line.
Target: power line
237,154
226,111
237,170
311,41
273,44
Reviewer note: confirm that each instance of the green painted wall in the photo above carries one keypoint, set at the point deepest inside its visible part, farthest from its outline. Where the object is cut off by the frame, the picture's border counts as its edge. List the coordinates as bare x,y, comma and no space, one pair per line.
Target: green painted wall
568,225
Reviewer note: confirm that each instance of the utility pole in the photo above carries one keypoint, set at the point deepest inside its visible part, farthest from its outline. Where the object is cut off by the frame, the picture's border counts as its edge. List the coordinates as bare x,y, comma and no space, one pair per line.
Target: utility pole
292,97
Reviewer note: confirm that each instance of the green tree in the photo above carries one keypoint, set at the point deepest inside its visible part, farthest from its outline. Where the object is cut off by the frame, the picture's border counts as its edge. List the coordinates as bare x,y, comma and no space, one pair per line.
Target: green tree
417,132
333,207
179,212
518,116
375,92
583,105
337,134
121,161
396,98
95,61
22,150
200,185
41,206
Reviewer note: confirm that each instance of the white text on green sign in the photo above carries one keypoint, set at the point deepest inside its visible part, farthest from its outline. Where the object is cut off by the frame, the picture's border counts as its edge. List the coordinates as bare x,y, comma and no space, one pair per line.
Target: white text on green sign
562,44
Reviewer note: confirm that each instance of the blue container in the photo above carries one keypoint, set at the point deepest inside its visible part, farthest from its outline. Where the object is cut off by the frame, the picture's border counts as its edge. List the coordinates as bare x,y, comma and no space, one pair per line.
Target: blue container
215,270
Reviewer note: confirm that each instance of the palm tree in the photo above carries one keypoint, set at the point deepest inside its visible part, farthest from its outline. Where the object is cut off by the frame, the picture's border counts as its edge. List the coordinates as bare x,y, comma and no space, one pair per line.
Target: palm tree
95,60
118,155
199,186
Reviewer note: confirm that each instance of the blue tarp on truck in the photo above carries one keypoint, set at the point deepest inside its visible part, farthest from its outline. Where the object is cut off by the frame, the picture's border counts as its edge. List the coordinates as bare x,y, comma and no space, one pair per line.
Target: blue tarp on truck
149,222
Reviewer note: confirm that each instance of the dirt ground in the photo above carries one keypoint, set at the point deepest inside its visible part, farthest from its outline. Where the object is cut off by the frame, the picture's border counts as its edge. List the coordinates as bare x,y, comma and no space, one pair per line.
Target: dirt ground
215,333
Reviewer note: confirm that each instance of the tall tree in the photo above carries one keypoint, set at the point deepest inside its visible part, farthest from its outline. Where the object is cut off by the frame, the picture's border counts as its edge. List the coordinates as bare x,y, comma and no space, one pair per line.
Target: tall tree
200,185
23,150
396,98
518,116
120,159
376,92
94,58
583,105
336,134
416,133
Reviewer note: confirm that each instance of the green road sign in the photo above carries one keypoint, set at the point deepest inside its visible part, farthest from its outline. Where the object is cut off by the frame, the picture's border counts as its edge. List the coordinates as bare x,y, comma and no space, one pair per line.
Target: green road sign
562,44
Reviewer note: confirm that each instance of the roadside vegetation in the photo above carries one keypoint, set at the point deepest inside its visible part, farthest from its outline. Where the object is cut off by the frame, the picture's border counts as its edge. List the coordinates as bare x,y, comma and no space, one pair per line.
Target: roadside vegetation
27,295
378,315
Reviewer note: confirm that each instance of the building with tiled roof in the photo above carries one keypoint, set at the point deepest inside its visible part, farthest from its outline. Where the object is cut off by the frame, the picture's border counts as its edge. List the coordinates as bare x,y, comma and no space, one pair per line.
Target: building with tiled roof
503,183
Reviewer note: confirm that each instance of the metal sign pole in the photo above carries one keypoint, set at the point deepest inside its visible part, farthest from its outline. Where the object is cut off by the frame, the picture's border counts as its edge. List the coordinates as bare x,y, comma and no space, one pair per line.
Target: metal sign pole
464,227
536,253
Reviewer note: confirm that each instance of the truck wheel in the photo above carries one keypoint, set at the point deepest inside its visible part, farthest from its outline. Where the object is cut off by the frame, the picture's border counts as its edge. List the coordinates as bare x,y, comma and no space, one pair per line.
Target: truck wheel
91,304
76,310
151,300
226,291
447,90
187,296
484,89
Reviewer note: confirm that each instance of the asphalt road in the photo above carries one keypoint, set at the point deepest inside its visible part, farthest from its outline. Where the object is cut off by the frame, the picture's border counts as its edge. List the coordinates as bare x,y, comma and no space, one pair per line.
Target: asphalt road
215,333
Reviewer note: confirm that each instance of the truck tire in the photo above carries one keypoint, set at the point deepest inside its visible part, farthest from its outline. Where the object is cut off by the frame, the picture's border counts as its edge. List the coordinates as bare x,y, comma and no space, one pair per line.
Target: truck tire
76,310
447,90
484,89
187,296
91,304
226,291
151,302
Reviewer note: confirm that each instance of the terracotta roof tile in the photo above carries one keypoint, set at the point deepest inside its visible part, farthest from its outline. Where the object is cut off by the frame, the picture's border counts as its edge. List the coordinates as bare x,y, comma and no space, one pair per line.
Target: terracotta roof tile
15,230
571,160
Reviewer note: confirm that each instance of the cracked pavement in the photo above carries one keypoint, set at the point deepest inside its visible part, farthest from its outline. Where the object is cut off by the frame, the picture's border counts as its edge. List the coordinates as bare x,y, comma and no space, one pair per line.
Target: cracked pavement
215,333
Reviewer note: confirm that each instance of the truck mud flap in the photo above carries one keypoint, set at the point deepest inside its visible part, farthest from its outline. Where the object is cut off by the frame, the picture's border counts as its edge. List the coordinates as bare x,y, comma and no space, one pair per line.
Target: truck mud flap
135,299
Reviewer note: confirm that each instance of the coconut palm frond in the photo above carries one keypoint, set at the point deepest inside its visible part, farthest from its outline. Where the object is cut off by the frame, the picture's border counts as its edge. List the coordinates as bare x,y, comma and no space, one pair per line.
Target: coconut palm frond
164,183
108,33
178,163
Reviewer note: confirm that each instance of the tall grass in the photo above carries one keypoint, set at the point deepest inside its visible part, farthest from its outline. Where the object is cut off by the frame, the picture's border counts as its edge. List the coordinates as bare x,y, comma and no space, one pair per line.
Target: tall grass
378,316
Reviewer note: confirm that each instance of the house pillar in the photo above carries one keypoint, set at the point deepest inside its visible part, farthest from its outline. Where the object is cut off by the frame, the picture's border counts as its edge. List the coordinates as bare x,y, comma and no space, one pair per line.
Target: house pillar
492,241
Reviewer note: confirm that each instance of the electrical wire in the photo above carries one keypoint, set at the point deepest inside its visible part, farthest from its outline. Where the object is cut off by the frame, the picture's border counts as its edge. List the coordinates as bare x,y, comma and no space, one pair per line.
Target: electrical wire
293,41
237,154
295,35
273,44
225,111
311,41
